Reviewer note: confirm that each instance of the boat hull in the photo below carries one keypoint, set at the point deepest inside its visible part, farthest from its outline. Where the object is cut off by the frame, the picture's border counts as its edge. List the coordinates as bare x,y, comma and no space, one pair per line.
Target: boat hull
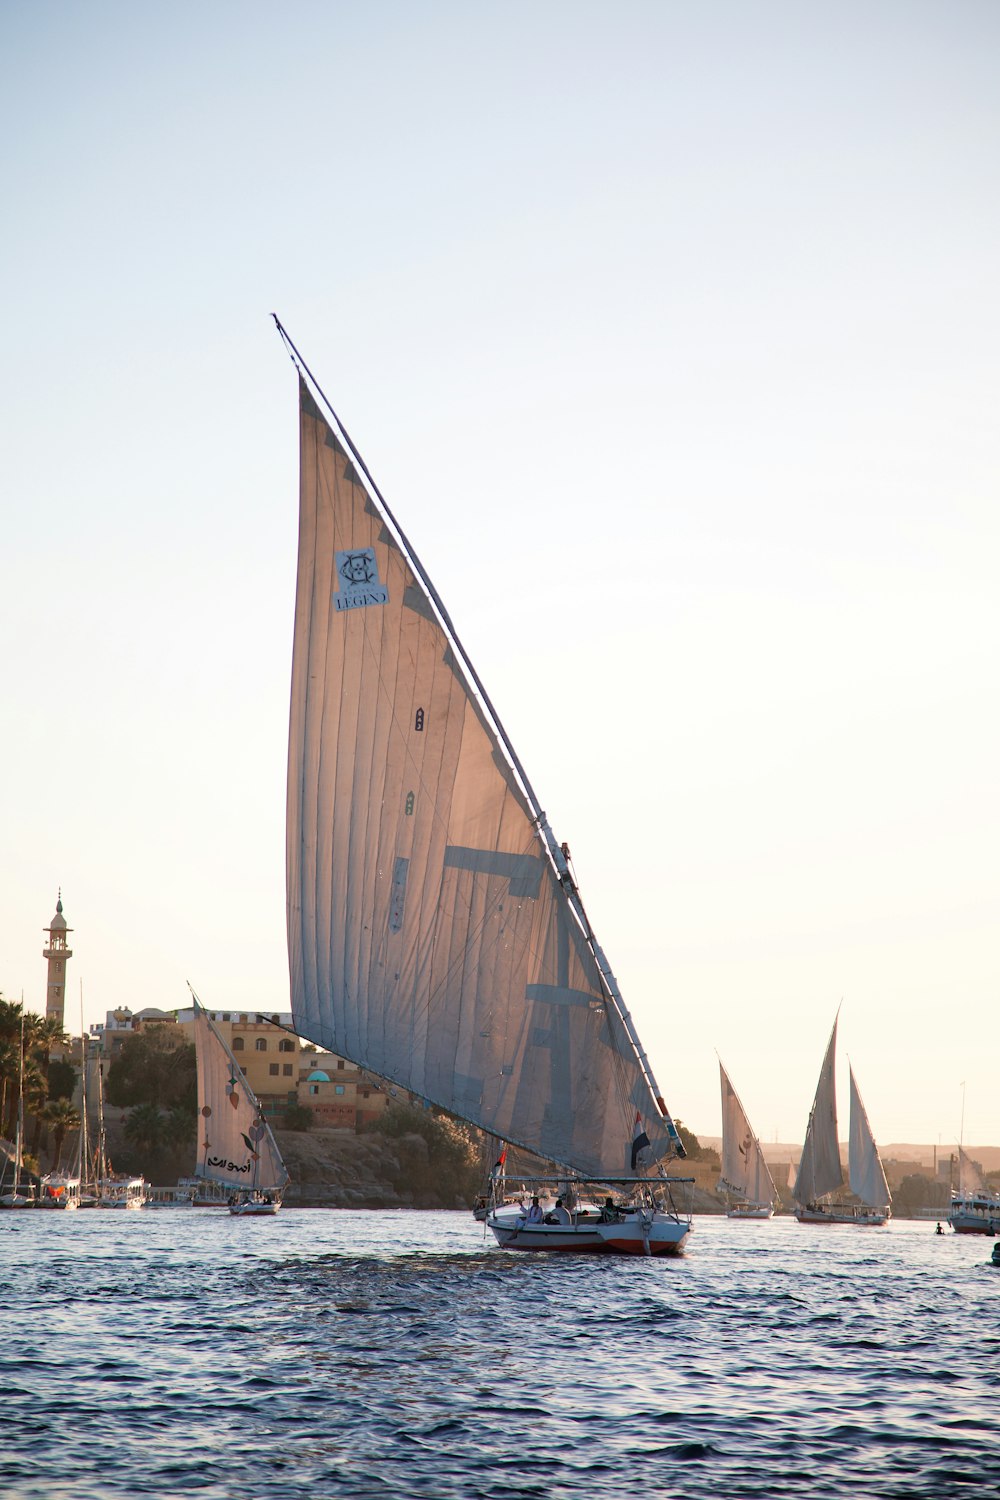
254,1210
968,1224
750,1211
865,1218
633,1235
975,1214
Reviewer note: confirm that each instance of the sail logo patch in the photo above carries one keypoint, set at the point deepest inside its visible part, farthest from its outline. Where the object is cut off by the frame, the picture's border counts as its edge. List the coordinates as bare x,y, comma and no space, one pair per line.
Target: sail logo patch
358,580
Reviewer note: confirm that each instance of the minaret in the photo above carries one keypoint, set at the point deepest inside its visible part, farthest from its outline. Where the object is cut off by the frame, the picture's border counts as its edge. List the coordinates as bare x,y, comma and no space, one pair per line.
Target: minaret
57,953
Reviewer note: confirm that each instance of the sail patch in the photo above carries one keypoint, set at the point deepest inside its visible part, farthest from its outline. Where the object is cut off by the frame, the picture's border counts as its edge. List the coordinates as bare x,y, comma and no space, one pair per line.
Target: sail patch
358,580
557,994
398,897
524,871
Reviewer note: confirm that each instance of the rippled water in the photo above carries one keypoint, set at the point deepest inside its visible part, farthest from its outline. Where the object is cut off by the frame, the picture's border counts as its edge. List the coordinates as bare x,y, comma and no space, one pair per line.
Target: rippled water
328,1353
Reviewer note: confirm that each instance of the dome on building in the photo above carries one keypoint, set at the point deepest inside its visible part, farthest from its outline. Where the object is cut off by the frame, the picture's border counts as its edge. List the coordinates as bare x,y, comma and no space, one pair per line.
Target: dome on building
318,1077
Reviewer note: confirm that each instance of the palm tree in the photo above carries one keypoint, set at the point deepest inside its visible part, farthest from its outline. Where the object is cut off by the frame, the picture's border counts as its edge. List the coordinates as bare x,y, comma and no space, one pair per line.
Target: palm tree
36,1093
146,1126
43,1034
10,1054
63,1117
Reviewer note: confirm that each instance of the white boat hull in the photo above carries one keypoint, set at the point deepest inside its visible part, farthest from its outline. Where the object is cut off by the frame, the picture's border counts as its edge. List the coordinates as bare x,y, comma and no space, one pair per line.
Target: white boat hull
750,1211
975,1217
634,1234
254,1210
865,1217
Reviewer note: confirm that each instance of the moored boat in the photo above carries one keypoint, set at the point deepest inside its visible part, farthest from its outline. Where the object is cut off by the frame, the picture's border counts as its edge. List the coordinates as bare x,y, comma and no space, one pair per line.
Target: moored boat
59,1191
974,1210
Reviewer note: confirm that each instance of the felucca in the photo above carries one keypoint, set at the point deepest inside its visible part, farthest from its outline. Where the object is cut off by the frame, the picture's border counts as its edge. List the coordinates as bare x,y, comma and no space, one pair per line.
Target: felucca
437,936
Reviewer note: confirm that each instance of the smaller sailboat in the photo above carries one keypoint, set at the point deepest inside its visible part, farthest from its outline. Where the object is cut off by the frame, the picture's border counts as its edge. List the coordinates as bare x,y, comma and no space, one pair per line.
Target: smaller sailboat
238,1150
819,1185
113,1190
746,1182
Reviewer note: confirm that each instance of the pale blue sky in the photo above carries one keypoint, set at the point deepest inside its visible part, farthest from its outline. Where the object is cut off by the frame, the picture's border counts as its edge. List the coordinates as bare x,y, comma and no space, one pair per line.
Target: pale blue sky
671,334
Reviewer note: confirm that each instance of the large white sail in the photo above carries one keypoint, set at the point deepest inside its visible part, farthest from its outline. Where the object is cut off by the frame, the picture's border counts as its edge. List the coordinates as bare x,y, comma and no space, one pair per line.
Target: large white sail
820,1171
433,936
865,1172
235,1144
744,1170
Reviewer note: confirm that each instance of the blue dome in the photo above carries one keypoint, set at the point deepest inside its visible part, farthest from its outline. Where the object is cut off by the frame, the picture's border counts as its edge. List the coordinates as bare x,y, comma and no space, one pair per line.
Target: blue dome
318,1077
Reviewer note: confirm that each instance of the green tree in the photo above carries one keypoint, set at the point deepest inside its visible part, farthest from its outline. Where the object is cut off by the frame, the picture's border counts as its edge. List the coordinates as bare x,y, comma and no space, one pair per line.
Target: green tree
146,1127
63,1117
62,1079
298,1117
180,1128
443,1165
695,1150
152,1068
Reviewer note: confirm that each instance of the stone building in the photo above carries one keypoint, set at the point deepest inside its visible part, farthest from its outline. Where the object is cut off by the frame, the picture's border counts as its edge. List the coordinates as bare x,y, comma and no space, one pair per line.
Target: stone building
57,953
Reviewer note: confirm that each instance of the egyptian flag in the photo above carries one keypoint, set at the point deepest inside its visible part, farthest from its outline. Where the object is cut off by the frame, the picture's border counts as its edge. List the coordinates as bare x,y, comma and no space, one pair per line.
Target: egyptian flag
640,1140
498,1168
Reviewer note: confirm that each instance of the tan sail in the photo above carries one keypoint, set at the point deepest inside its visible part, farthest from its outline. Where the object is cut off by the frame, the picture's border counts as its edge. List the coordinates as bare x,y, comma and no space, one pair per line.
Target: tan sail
745,1173
820,1171
432,936
865,1171
235,1144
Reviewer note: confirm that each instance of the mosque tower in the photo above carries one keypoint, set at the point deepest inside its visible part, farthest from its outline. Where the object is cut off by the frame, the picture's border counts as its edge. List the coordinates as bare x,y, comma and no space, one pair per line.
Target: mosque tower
57,953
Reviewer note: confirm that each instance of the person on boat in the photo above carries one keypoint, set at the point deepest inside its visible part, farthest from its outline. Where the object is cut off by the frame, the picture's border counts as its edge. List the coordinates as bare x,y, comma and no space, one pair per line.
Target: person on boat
609,1214
939,1230
559,1214
534,1214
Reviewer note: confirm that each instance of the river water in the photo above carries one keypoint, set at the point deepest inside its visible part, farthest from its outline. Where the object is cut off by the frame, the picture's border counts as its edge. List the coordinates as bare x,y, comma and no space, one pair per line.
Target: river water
325,1353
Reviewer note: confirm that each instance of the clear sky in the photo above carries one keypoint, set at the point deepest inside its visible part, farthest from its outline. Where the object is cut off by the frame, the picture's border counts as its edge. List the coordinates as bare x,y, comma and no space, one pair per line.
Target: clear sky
671,332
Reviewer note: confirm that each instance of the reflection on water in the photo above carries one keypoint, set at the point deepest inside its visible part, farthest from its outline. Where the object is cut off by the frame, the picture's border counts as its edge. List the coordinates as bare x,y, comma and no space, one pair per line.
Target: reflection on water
350,1354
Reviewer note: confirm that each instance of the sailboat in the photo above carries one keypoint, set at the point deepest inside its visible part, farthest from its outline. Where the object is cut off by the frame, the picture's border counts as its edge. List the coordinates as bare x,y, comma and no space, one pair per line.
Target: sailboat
820,1183
113,1190
237,1149
437,936
745,1179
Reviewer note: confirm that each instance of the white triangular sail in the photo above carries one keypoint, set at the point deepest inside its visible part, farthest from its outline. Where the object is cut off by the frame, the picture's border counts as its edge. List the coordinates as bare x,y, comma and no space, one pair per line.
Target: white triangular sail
744,1170
434,937
820,1171
865,1172
235,1144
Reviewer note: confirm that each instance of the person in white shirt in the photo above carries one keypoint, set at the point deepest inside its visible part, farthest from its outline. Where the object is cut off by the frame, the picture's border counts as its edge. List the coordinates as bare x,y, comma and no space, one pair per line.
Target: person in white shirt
558,1215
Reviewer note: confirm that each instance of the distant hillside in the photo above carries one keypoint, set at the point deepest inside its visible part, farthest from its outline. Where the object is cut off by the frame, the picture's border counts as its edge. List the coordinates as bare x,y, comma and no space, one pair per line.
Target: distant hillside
785,1151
